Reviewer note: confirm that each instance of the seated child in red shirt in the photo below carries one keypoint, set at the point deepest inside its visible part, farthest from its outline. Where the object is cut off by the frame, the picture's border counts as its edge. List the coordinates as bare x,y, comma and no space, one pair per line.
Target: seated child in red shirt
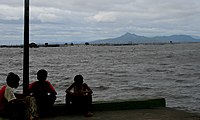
43,91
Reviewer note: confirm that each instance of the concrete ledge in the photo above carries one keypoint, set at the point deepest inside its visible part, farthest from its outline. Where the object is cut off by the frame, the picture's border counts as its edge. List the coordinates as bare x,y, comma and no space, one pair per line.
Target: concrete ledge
61,109
131,104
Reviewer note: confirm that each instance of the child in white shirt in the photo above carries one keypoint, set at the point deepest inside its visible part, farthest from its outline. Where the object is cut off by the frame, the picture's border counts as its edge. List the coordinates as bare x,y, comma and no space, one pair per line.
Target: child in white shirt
9,105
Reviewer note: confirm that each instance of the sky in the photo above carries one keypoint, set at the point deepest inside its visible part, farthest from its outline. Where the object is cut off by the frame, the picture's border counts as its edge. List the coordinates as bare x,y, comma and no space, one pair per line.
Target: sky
69,21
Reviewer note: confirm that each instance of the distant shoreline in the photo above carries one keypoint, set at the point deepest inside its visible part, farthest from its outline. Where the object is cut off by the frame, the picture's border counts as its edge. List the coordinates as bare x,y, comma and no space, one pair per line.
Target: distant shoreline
65,45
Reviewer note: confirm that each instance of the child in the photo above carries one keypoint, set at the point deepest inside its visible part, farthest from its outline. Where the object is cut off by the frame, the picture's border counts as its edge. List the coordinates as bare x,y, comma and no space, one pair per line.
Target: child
43,91
10,106
80,95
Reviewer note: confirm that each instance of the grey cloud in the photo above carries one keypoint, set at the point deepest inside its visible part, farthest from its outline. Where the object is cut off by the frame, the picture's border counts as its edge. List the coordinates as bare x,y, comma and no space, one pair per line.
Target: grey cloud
10,13
68,20
53,15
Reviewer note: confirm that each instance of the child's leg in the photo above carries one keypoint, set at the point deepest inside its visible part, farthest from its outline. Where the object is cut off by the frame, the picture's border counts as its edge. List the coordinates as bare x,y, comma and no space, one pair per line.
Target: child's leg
51,99
88,106
78,103
89,102
16,110
67,99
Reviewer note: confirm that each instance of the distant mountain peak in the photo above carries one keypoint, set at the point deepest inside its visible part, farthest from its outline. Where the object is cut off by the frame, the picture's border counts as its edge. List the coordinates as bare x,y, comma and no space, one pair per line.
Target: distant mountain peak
128,33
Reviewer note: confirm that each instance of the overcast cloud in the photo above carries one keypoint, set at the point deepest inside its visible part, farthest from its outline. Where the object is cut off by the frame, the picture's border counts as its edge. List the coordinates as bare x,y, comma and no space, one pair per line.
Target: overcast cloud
86,20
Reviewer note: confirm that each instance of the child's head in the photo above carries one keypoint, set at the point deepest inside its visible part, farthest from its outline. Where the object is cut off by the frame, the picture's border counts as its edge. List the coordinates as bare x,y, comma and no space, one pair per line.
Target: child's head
12,80
42,75
78,79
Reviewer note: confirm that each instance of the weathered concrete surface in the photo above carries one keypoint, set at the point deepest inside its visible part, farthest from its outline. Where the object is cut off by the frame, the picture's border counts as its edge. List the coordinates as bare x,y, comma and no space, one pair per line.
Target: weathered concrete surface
115,105
130,104
146,109
163,113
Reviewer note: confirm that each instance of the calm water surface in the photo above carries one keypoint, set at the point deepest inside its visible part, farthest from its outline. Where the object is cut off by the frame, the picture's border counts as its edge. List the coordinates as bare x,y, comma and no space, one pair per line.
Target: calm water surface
171,71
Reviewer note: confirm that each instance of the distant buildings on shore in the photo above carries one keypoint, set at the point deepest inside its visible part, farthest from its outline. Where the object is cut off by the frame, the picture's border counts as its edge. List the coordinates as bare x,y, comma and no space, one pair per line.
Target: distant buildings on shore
34,45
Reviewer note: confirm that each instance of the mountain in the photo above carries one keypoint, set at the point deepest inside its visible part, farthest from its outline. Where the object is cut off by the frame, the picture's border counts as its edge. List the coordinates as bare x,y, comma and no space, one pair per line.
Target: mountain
196,37
129,38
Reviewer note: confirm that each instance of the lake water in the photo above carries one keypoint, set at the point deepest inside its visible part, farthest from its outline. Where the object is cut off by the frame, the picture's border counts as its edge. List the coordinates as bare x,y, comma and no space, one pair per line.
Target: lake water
171,71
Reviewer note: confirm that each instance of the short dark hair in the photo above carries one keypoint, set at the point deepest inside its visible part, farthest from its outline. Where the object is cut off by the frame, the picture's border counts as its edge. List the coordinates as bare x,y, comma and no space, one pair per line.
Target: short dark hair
12,78
42,74
78,79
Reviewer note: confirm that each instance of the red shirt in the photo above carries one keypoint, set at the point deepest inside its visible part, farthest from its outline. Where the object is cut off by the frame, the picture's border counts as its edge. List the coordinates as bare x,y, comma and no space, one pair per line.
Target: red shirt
45,87
3,100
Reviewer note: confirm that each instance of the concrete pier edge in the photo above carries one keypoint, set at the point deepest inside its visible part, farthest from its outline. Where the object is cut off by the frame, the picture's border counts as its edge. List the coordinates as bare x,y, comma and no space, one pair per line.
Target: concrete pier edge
62,109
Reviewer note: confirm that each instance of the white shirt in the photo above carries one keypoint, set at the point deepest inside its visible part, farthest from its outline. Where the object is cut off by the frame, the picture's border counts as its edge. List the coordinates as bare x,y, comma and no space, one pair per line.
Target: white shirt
9,94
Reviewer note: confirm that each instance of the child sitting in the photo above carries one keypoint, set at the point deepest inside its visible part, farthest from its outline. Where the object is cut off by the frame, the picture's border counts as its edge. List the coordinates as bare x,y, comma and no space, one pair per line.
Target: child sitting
43,91
10,106
80,95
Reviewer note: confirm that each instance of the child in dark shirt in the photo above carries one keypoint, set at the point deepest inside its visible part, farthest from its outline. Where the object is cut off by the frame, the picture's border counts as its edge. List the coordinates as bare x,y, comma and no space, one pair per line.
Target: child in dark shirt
80,95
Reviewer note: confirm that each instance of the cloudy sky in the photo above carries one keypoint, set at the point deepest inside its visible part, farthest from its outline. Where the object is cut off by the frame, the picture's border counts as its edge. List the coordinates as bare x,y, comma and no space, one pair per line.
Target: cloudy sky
86,20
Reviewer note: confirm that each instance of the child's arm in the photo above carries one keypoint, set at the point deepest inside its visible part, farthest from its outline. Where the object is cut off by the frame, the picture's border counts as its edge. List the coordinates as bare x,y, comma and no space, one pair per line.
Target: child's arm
68,91
9,94
52,89
88,90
